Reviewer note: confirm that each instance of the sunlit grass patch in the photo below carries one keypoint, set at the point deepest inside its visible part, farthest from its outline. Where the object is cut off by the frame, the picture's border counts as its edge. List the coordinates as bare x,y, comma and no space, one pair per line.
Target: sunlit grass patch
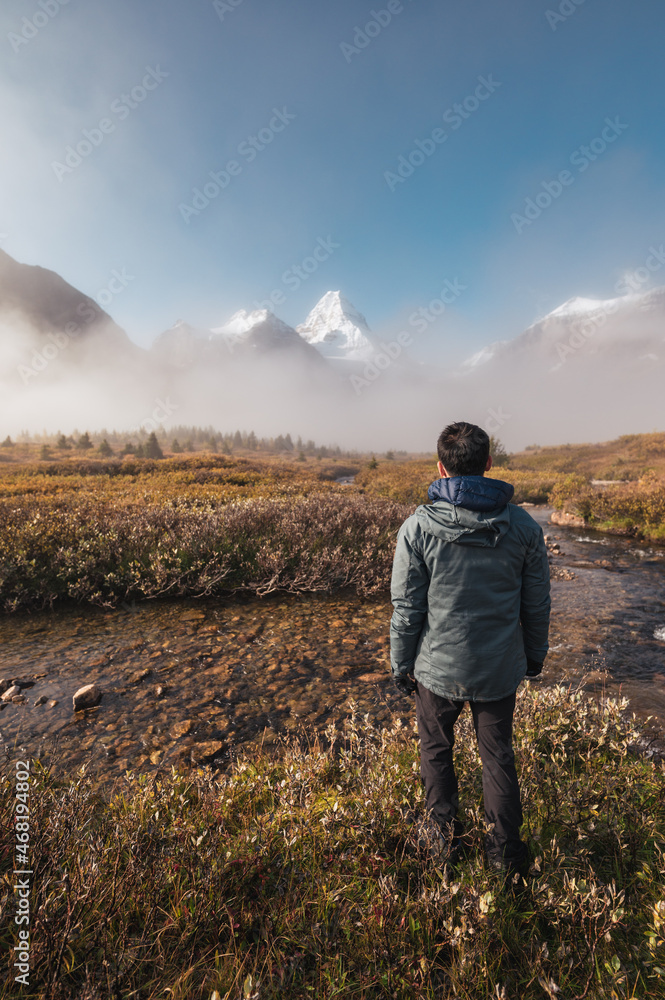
636,509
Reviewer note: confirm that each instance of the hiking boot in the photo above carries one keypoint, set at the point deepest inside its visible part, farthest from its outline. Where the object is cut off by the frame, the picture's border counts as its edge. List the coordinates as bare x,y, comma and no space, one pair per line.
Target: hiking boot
450,850
514,872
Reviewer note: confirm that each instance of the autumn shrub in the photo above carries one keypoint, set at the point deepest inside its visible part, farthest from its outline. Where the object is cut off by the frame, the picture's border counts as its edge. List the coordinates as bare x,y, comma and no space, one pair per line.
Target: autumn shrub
636,508
89,550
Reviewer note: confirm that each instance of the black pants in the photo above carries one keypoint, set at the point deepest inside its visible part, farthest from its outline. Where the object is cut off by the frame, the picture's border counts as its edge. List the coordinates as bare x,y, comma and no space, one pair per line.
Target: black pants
493,724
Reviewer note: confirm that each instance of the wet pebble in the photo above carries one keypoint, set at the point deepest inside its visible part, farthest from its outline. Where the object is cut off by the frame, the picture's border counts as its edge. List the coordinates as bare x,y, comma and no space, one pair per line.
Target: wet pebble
202,752
192,616
138,676
98,661
86,697
183,728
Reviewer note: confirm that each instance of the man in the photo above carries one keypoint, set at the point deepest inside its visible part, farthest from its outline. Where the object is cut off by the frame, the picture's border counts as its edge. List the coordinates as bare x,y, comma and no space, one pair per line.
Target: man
471,596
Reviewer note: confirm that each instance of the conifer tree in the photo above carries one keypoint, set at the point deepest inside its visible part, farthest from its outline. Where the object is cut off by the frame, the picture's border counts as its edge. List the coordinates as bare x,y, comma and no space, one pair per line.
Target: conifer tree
152,448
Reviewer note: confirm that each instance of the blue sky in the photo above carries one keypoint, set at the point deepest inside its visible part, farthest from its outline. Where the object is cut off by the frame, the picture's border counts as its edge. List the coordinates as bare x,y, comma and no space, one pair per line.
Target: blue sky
350,105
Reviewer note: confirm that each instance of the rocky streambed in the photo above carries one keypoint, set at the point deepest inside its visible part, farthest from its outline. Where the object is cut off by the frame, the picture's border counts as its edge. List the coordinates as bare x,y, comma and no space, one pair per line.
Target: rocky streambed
192,682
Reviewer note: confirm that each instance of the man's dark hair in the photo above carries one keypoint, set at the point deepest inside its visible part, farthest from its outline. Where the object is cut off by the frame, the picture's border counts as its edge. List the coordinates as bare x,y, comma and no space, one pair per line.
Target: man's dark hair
463,449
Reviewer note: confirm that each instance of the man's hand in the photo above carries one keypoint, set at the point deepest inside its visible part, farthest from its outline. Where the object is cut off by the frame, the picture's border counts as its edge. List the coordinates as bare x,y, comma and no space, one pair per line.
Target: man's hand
533,668
405,683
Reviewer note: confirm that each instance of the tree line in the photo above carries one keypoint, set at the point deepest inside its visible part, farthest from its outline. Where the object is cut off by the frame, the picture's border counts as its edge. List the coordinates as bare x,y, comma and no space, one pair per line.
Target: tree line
176,440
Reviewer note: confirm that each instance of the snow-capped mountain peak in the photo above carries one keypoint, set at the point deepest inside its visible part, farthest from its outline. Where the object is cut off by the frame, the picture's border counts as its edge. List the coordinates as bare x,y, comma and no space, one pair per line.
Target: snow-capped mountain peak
242,323
578,304
337,329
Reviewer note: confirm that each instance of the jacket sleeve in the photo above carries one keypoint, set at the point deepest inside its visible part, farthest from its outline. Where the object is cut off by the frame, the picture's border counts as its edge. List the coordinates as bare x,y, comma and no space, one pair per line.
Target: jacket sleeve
408,589
535,599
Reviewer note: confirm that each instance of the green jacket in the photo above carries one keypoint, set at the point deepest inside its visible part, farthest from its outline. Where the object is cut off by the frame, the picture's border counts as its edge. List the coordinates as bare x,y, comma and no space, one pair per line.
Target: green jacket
470,590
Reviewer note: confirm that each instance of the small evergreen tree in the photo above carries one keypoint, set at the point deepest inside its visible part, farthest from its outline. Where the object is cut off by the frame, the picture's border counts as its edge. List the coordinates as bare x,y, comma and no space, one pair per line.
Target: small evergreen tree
105,449
152,448
129,448
45,452
139,452
176,447
499,454
8,443
63,442
84,442
372,464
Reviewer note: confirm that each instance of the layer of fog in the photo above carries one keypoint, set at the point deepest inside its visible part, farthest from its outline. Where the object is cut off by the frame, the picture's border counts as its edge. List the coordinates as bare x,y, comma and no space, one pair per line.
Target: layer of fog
607,386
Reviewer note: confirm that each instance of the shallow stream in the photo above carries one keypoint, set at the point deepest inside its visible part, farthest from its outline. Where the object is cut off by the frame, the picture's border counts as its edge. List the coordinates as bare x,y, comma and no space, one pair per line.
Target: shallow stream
191,682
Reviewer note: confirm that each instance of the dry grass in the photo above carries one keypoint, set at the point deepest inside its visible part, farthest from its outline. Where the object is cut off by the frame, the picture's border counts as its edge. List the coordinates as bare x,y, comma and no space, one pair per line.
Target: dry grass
107,531
636,509
301,875
407,482
97,551
627,458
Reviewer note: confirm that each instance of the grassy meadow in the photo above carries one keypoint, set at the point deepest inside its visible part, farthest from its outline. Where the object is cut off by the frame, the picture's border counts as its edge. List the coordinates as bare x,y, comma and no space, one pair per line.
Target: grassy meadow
303,874
106,529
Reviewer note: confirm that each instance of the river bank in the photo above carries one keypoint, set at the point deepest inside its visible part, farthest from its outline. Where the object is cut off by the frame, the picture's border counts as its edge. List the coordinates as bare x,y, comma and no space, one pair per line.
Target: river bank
194,682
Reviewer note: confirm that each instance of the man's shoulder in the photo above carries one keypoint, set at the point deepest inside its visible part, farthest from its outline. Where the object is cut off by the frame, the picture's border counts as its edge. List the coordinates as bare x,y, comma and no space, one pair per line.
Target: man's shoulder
411,526
523,520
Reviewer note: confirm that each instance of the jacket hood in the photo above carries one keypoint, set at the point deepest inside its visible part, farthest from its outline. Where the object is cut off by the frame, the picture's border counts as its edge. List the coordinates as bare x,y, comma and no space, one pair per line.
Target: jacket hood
472,492
470,510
